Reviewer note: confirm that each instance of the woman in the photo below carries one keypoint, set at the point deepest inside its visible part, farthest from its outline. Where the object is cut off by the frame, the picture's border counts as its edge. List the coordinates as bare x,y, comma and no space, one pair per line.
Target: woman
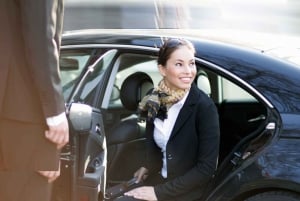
182,131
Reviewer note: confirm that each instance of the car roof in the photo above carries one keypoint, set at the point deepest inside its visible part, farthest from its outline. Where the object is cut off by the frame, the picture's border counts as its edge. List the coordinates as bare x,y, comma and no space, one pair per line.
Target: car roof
99,36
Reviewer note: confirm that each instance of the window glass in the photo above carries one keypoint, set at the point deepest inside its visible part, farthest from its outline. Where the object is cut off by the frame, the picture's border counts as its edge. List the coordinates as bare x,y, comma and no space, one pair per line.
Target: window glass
93,76
129,64
149,67
221,89
232,92
72,62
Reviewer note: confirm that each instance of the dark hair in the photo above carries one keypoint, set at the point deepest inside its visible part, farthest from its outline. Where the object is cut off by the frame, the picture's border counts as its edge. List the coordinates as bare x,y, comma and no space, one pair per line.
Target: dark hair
169,46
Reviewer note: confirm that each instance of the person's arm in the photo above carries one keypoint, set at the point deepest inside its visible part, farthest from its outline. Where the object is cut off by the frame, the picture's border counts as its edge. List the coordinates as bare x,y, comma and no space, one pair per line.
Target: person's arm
153,154
41,24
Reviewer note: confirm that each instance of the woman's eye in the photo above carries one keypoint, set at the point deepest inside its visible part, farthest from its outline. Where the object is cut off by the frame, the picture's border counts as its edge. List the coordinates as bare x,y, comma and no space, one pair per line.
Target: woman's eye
192,64
178,64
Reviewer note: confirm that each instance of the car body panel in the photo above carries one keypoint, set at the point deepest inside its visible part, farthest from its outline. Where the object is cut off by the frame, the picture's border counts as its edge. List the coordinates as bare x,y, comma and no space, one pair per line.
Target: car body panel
261,71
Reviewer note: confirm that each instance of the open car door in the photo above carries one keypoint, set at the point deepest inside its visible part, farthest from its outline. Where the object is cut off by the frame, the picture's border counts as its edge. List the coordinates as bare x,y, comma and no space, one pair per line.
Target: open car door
83,159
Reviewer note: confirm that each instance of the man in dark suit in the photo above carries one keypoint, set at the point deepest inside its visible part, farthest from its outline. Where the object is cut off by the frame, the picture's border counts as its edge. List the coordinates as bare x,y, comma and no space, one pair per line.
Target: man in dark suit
33,124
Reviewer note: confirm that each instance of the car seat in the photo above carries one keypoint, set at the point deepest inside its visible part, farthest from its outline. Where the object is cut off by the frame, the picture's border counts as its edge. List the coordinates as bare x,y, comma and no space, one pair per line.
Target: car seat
125,141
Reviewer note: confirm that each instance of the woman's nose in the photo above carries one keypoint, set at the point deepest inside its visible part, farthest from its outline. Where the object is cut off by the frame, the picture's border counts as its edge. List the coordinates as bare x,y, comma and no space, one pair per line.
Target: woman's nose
187,69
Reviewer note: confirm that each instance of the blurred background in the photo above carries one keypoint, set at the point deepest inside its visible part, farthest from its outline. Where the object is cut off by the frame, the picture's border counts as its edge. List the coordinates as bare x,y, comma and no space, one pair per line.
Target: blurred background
281,16
261,23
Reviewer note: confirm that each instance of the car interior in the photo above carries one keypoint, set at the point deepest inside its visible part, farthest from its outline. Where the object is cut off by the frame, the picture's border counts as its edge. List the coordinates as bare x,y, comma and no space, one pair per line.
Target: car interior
127,137
240,113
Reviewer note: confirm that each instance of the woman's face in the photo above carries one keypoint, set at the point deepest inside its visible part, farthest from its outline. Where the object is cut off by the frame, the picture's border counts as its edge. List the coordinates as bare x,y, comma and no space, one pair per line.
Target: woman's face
180,69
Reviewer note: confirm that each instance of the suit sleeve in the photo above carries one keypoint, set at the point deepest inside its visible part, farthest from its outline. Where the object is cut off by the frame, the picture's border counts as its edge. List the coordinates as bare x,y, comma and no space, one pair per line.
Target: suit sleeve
208,140
42,26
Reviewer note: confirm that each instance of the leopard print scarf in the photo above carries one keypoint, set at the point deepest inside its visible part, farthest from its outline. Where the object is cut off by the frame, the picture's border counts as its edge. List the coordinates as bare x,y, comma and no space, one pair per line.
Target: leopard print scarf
157,103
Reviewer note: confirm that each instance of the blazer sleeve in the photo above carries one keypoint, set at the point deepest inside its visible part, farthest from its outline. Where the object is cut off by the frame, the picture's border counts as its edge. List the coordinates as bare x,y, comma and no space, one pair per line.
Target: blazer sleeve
207,128
41,31
153,155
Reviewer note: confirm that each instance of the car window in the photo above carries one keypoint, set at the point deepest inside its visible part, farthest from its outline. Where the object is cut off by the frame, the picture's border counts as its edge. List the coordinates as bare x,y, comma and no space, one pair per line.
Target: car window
149,67
129,64
222,89
72,62
92,78
232,92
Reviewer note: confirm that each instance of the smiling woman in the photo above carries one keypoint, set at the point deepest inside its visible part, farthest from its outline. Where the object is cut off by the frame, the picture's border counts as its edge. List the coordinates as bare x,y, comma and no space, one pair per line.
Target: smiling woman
177,102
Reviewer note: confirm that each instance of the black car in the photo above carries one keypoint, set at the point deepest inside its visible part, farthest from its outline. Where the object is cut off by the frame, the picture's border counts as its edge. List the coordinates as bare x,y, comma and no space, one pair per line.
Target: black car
105,74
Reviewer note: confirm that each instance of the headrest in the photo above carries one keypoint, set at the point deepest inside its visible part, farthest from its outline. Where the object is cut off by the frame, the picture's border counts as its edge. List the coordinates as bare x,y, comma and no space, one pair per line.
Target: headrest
203,82
134,88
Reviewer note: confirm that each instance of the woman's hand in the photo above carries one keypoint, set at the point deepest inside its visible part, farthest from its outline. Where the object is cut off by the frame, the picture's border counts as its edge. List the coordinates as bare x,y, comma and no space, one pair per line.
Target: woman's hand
141,174
143,193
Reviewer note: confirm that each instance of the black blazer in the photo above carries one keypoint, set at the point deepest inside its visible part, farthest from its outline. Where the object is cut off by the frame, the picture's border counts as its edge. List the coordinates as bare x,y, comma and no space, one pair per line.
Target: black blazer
30,89
192,150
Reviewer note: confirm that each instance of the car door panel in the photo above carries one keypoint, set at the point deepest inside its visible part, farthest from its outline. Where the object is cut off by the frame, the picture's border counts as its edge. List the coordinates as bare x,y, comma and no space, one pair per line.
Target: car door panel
237,120
83,159
89,152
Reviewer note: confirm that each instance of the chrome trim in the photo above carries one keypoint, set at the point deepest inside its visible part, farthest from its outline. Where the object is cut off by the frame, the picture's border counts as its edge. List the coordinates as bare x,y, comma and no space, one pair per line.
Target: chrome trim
271,126
66,156
110,46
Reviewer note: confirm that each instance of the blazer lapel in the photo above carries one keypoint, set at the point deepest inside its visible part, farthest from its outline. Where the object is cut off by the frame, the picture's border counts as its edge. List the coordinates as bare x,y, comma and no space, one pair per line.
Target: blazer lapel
185,111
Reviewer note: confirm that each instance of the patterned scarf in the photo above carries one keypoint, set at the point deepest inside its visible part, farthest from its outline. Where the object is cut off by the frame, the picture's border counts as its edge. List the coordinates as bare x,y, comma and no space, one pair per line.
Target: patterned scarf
157,103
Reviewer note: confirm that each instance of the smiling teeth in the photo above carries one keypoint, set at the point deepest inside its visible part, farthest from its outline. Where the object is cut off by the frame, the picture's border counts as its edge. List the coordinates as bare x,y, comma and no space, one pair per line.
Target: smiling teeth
186,79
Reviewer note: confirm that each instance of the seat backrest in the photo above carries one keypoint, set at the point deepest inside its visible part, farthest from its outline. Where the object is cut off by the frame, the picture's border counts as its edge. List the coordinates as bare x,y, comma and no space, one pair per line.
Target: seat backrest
126,140
134,88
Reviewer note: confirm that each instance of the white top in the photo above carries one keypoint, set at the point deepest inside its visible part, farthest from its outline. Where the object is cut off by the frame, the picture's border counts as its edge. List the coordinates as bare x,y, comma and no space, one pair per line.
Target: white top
163,129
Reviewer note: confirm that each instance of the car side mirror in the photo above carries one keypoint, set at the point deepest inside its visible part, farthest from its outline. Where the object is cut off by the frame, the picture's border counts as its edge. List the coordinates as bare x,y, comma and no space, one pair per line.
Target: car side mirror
80,116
